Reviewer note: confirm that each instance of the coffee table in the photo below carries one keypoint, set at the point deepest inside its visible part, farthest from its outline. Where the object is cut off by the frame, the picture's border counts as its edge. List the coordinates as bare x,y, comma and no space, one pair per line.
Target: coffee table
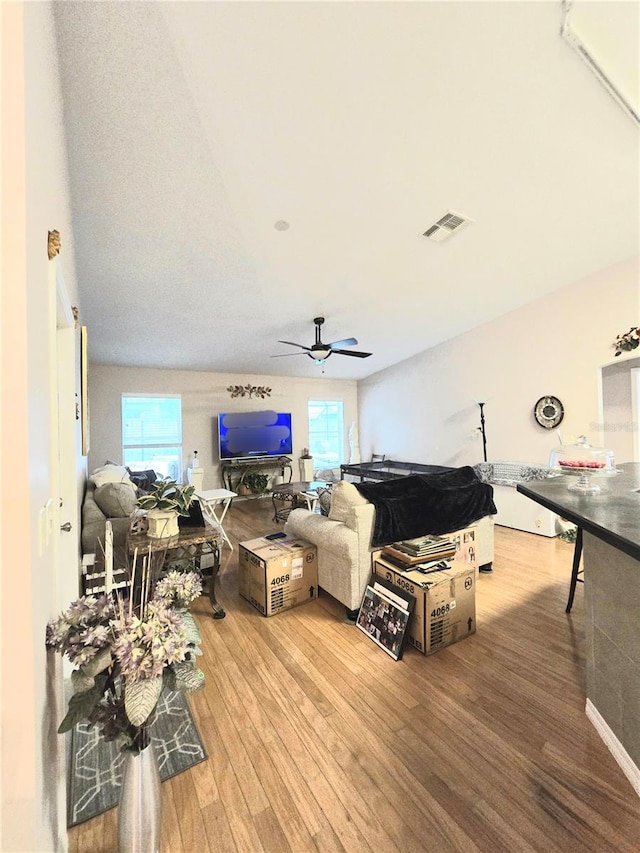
294,495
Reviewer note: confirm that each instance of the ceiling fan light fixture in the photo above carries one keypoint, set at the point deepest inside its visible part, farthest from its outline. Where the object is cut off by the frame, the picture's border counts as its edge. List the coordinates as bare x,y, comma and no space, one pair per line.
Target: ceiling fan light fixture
320,352
320,355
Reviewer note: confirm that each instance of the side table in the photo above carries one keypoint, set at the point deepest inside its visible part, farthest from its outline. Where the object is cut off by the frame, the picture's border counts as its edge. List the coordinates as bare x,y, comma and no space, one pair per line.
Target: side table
209,500
293,495
192,543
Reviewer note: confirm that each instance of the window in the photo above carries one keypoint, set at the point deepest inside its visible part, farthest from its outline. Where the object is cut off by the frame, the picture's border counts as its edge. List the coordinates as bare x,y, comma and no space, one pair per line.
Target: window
326,434
152,434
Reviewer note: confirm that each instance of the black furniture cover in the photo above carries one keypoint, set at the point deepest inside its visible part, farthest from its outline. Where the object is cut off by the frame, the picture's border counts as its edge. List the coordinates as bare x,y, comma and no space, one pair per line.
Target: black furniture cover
408,507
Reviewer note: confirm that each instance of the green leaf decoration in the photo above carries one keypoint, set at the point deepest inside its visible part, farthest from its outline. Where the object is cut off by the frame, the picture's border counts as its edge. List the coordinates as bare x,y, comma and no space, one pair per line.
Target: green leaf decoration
188,677
81,682
80,706
169,678
191,628
140,698
168,495
99,663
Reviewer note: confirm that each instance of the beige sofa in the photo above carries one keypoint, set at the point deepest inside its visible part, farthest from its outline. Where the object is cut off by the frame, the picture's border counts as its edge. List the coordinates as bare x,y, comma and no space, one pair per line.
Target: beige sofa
343,539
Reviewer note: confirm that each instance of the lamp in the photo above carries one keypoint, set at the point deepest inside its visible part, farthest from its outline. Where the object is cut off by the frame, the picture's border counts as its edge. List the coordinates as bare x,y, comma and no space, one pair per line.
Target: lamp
482,429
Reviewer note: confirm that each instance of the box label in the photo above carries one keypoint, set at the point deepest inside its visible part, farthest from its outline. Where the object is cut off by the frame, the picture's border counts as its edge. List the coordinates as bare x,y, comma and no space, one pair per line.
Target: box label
442,610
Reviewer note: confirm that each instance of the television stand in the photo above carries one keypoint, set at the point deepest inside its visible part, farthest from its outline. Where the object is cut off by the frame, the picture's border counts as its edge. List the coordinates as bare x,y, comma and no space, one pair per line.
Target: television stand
235,470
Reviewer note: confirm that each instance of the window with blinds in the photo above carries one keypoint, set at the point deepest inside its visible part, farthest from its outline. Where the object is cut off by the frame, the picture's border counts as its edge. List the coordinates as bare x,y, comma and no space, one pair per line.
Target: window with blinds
152,434
326,433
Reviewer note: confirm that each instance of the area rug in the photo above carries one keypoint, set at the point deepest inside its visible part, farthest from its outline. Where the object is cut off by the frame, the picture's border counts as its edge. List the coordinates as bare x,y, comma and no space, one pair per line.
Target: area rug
95,769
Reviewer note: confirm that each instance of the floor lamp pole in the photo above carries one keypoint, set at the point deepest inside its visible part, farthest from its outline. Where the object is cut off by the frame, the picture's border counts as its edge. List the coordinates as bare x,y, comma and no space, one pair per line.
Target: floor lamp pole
482,430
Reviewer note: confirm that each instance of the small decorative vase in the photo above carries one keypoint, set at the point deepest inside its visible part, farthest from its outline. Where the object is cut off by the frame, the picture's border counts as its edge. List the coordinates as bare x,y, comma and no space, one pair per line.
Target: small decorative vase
140,799
162,524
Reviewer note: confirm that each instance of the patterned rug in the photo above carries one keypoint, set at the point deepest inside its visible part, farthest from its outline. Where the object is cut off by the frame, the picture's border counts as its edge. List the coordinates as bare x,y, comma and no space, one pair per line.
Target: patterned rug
96,766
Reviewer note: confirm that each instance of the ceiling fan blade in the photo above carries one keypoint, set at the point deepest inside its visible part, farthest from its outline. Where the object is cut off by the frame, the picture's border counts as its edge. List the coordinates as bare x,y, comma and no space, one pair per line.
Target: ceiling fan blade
352,352
347,342
286,354
291,344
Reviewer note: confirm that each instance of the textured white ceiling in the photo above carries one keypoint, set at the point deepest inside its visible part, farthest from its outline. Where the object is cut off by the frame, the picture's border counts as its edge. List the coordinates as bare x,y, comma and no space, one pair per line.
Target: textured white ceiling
194,127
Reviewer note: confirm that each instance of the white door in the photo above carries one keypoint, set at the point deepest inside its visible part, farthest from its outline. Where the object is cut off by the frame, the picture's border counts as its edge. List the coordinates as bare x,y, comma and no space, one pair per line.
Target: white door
64,441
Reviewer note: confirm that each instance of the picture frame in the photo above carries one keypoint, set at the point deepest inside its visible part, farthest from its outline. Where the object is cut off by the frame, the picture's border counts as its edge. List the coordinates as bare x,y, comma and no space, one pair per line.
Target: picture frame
385,614
84,392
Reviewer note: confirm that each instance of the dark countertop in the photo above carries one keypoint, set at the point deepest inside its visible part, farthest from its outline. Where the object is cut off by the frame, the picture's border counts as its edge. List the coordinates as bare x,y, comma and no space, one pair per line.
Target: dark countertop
613,514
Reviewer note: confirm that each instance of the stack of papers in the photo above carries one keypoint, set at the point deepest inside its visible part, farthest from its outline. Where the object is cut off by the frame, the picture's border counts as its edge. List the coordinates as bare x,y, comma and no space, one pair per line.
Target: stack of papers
425,549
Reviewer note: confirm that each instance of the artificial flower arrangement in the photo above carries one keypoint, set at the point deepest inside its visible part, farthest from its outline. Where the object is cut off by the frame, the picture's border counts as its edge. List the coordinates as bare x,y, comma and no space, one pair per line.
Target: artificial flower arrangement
126,649
627,341
179,589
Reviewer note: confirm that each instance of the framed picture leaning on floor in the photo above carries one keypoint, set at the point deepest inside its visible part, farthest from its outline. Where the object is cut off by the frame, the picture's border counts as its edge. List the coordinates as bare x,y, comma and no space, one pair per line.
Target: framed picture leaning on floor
384,615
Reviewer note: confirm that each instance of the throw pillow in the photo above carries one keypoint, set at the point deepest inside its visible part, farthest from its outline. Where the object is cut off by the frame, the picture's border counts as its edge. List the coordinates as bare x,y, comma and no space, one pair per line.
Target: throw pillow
144,480
324,499
110,474
344,496
116,500
484,471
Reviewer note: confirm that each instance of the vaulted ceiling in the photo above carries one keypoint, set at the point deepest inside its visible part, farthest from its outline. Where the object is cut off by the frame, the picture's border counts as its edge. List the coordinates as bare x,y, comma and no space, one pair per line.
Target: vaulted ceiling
239,168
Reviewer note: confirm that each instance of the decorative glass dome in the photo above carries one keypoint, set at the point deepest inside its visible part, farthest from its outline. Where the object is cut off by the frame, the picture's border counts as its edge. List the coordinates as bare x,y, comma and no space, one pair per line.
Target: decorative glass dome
584,462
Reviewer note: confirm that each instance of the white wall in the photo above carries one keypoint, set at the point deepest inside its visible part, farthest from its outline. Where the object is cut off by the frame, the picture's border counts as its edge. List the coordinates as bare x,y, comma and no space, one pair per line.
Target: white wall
204,396
35,200
422,409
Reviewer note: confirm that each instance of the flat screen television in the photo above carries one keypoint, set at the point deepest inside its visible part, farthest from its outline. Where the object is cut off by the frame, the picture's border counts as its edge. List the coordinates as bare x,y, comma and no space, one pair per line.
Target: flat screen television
248,434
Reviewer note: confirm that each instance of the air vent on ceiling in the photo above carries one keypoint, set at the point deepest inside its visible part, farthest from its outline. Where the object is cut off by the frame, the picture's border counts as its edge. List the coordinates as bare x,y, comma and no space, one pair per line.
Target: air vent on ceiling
447,225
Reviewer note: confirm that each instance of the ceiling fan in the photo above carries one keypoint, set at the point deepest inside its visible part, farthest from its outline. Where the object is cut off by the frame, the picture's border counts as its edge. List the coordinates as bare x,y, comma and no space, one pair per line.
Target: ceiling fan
320,352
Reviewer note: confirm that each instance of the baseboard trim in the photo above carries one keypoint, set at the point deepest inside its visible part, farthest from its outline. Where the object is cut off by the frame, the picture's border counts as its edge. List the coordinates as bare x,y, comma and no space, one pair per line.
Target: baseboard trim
614,746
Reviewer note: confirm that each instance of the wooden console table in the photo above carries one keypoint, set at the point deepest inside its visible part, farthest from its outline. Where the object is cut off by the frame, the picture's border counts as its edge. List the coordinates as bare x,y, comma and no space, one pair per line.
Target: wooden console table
235,470
192,543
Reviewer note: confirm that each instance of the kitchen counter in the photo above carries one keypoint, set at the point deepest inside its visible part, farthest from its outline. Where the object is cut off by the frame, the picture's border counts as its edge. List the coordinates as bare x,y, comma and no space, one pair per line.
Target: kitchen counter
613,514
610,521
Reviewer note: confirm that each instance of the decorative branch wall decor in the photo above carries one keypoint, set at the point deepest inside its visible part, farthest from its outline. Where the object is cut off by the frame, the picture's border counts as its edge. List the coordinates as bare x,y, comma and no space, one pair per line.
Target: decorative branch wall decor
249,391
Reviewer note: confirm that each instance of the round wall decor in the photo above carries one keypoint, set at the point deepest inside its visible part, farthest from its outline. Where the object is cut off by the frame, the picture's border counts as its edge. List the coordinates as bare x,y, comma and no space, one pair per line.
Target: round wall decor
548,412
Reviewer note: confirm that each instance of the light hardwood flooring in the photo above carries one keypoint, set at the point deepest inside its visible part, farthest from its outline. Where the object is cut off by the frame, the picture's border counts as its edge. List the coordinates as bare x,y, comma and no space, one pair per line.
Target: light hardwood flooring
318,741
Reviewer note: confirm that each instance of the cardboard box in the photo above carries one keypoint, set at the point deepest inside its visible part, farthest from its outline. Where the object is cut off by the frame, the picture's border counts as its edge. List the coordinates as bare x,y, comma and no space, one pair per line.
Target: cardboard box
445,609
278,574
466,542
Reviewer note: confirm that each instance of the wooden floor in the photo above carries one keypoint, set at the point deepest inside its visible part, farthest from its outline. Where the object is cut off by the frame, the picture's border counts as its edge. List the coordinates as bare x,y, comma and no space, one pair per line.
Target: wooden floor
318,741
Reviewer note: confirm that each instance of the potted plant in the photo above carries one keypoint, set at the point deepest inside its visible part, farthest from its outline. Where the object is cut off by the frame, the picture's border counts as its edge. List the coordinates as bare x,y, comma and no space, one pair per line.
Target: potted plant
241,487
164,504
257,482
627,341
